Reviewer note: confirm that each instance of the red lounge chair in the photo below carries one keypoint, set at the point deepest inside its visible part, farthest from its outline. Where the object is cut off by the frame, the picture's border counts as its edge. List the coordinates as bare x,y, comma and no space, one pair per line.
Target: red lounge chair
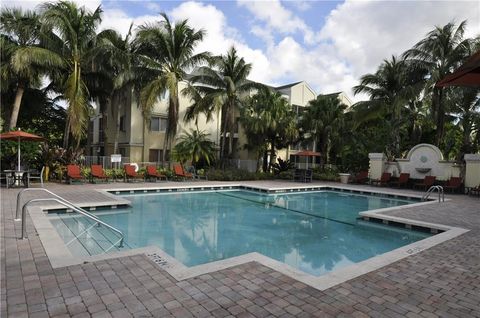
74,173
453,184
179,172
153,173
97,172
130,173
383,180
428,181
402,180
361,177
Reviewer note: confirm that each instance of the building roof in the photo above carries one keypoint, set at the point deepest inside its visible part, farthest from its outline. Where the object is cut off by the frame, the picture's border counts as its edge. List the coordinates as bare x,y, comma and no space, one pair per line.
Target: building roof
287,85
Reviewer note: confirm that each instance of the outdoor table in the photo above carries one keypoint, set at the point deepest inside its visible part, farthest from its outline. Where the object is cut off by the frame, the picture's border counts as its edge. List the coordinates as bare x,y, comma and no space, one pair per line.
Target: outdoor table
18,177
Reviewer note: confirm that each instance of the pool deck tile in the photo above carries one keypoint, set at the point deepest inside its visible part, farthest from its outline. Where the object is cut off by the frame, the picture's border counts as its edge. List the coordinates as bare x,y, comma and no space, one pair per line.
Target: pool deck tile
443,281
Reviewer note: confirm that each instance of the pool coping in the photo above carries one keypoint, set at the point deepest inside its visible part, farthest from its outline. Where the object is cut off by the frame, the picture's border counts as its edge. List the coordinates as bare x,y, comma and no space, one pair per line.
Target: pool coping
60,256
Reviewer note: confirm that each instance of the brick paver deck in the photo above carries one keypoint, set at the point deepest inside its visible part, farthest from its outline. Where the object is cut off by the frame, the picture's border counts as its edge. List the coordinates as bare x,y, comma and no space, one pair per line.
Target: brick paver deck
443,281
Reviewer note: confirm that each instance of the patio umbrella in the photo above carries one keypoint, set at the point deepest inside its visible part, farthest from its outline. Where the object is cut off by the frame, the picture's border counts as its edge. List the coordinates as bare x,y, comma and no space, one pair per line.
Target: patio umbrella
19,136
466,75
307,153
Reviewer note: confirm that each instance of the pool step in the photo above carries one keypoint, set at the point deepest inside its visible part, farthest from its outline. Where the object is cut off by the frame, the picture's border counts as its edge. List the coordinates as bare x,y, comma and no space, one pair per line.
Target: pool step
84,237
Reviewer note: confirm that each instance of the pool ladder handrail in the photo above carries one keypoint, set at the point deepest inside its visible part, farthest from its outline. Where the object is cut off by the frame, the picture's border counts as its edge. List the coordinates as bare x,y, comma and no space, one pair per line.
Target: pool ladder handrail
441,194
65,203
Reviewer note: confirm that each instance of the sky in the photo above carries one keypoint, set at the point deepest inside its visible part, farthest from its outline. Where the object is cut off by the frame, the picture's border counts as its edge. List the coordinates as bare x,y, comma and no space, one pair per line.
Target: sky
328,44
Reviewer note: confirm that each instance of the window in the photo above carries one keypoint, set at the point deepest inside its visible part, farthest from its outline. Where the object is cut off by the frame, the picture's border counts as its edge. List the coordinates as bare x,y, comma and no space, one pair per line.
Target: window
158,124
155,155
122,151
122,123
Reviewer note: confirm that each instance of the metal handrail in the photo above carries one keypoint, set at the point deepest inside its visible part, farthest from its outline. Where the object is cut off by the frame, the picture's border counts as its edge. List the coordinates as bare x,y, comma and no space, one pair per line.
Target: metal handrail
71,206
19,195
441,194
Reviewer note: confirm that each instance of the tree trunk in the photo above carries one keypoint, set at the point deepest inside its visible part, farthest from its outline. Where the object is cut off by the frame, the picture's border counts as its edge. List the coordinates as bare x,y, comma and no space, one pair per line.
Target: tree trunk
66,133
440,119
272,153
224,137
231,151
115,104
16,106
265,160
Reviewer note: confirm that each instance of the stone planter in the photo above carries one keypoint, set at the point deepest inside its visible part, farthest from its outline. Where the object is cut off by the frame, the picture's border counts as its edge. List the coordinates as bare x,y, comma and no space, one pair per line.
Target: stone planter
344,177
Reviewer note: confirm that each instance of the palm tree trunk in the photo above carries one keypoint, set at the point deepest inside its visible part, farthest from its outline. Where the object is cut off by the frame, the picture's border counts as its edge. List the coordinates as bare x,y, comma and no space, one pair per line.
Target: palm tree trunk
66,133
272,153
231,151
224,137
440,119
116,104
16,106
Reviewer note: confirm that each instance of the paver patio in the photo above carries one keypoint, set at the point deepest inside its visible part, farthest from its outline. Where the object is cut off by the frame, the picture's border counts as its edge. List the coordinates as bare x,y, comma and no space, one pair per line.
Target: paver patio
443,281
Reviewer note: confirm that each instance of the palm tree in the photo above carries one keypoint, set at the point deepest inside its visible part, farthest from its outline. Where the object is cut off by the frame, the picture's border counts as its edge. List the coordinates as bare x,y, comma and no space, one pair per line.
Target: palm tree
167,55
225,82
68,38
116,58
195,145
391,89
269,115
20,29
322,121
440,53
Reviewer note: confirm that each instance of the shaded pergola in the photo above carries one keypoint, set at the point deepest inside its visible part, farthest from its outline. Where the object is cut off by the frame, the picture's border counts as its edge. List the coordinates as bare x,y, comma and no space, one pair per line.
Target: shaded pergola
308,154
466,75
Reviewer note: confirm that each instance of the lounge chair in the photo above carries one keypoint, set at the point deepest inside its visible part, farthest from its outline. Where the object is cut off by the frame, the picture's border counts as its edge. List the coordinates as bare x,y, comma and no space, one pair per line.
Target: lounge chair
453,184
180,173
402,180
74,174
35,175
361,177
152,173
97,172
299,175
131,174
428,181
384,179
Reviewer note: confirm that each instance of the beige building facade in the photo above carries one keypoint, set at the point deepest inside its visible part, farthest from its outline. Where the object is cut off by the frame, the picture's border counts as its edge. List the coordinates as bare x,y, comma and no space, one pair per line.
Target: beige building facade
143,141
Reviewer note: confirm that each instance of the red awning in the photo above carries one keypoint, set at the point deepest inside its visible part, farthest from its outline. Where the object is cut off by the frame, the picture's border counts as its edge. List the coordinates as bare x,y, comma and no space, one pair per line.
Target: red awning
306,153
466,75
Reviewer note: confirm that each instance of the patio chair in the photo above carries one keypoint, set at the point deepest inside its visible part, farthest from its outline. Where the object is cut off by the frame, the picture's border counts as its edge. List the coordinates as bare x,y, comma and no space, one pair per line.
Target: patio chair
428,181
475,191
402,180
35,175
97,172
299,175
361,177
74,174
180,173
131,174
194,173
453,184
308,175
152,173
384,179
8,177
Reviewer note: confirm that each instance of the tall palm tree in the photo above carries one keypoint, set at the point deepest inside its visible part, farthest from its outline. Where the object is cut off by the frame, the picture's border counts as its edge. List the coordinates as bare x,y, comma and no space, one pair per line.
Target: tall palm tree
225,82
440,53
167,56
68,38
322,121
269,115
391,89
116,57
19,29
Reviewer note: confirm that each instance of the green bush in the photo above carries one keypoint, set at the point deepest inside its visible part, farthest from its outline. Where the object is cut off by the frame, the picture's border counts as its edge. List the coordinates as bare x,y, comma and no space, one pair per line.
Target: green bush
286,175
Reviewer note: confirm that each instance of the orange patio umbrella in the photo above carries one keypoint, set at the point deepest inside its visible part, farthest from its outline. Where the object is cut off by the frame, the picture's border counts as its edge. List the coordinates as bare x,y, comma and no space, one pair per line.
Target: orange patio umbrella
19,136
466,75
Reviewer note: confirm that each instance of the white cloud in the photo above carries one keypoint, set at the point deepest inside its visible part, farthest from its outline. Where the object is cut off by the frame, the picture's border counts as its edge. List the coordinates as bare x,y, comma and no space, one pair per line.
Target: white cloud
278,18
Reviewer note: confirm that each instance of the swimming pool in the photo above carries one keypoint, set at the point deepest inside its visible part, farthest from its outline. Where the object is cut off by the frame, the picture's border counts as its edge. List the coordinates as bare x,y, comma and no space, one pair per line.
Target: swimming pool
315,232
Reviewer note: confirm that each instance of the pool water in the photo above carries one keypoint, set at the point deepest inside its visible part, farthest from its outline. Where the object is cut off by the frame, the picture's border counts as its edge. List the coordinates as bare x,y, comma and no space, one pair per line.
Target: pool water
315,232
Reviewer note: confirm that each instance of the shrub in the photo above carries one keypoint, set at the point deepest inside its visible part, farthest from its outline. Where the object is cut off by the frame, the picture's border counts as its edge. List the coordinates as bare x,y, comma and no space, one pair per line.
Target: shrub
236,175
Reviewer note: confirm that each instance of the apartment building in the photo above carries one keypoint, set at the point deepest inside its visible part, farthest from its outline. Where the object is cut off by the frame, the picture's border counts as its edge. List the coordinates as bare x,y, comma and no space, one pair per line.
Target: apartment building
143,141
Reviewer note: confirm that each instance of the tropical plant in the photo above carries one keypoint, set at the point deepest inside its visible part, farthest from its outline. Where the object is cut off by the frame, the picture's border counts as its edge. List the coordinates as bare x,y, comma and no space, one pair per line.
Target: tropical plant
440,53
322,122
224,82
68,37
194,146
269,115
19,29
167,54
282,165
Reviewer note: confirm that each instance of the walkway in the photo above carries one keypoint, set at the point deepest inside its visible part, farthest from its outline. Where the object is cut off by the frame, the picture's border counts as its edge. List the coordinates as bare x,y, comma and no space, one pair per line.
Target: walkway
443,281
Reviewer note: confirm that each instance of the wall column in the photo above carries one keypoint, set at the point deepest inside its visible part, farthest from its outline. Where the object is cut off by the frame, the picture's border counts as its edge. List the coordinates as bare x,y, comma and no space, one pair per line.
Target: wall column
377,165
472,170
